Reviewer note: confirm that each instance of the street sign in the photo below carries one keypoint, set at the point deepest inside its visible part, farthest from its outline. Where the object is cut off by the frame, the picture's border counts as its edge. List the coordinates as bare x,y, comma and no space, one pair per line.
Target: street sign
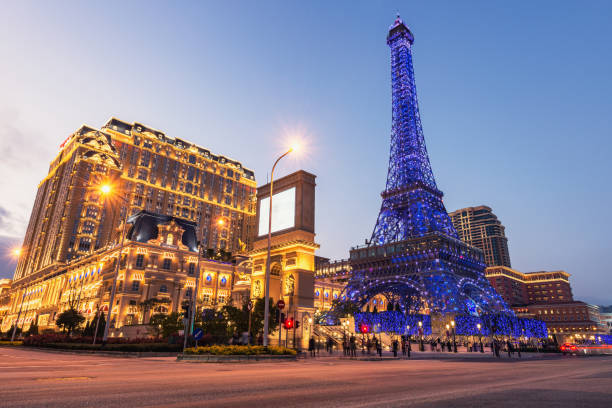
250,306
280,304
198,334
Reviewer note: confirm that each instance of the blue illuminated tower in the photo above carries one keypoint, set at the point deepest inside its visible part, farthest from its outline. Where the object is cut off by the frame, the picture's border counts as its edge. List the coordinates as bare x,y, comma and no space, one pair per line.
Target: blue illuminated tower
415,257
412,204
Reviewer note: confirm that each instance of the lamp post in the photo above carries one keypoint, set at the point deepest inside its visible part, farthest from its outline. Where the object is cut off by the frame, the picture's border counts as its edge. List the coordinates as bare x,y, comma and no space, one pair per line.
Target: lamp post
480,337
107,189
454,339
421,345
267,290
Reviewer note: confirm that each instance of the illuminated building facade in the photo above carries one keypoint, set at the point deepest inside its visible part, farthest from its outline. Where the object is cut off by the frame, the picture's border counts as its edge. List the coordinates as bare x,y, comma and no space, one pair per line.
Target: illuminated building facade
541,287
546,296
292,249
158,271
73,222
479,227
565,320
150,170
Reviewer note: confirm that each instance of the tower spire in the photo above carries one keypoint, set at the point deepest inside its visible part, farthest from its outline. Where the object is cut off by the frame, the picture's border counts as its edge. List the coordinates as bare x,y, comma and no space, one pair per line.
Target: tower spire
412,204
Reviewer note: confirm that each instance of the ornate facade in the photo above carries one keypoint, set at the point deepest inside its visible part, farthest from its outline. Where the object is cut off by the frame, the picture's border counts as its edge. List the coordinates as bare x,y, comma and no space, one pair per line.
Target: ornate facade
158,271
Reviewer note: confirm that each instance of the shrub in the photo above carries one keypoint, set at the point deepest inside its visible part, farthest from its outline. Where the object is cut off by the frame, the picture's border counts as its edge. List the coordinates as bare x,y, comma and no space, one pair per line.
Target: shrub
10,343
240,350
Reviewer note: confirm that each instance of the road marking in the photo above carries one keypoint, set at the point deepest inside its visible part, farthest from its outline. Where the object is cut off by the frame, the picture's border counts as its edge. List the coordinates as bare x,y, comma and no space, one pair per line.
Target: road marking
63,378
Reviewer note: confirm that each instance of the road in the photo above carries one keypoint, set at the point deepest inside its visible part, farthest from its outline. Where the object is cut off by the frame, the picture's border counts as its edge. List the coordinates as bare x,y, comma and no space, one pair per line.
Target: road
45,379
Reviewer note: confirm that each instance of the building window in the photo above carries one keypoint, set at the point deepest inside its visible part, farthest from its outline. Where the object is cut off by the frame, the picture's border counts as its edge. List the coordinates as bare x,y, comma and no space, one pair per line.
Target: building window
221,299
139,260
167,263
191,269
169,239
135,285
206,299
188,292
163,289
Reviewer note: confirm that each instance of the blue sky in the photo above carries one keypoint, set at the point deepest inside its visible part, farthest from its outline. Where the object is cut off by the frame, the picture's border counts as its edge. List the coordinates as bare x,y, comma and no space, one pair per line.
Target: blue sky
514,99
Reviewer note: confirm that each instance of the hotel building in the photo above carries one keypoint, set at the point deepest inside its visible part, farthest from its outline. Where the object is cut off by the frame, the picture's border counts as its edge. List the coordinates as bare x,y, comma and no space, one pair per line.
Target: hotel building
73,225
479,227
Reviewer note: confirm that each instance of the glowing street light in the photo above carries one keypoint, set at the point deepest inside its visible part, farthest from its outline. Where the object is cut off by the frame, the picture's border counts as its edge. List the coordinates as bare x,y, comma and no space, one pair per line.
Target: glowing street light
106,189
267,291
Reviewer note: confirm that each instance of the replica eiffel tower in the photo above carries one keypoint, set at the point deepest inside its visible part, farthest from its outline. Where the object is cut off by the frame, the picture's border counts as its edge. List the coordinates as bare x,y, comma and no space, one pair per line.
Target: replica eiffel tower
415,257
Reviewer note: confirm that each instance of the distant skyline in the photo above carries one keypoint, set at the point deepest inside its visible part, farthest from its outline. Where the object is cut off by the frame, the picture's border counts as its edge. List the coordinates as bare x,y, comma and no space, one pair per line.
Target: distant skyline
514,100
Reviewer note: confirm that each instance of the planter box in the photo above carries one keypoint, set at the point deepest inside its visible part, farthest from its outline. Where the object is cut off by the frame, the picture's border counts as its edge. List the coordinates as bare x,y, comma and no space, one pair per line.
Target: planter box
214,358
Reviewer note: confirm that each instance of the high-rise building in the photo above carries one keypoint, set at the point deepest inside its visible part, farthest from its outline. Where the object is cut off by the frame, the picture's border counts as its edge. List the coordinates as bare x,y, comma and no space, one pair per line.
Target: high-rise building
479,227
149,171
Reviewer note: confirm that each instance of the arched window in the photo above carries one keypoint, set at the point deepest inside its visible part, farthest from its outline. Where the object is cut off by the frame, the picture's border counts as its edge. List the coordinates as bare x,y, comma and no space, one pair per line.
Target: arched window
163,289
169,239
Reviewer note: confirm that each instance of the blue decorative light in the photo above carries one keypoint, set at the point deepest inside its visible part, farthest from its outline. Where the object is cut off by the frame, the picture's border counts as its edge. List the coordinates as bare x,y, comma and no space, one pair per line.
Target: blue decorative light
208,278
414,256
393,322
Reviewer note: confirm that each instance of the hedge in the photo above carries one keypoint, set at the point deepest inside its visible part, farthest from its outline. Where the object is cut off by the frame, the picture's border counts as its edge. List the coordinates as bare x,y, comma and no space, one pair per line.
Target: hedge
135,348
240,350
10,343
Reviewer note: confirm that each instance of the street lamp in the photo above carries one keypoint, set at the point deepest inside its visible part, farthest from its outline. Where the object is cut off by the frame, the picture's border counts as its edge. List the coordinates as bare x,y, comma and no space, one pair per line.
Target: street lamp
107,189
421,345
480,337
454,339
267,291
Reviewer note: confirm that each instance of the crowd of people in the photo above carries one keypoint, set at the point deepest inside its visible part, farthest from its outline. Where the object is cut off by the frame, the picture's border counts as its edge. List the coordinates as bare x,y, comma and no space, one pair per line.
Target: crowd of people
372,345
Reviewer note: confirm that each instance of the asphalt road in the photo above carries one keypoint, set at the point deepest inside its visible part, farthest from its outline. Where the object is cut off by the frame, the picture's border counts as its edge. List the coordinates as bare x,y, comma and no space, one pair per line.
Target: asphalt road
45,379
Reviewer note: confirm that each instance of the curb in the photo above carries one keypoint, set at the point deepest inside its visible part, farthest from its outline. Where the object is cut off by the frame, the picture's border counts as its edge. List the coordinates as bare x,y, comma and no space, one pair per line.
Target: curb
210,358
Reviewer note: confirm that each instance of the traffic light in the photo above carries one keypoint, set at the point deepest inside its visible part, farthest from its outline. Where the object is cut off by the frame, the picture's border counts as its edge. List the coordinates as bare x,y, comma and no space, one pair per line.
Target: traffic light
185,308
289,323
297,324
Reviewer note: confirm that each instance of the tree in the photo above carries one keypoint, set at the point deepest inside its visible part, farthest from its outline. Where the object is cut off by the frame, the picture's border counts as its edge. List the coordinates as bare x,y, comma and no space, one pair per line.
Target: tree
69,320
344,308
33,330
257,319
171,324
150,304
156,321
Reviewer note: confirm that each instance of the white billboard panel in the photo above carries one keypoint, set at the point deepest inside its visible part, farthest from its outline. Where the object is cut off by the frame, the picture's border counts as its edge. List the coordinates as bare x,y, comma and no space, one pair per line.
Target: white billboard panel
283,212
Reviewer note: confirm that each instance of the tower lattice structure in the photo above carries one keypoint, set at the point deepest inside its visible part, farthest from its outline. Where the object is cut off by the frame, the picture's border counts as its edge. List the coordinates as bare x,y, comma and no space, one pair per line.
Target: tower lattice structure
415,257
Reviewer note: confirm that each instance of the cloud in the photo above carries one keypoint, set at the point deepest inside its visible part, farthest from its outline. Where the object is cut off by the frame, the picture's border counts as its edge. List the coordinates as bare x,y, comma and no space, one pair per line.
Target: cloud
11,224
7,260
25,157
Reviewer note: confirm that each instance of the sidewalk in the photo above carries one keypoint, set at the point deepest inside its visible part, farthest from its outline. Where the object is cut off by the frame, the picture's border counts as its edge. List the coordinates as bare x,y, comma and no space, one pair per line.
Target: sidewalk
433,355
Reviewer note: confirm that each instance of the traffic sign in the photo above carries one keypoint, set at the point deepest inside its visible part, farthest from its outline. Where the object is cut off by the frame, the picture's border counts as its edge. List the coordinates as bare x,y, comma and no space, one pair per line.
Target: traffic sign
280,304
198,334
250,306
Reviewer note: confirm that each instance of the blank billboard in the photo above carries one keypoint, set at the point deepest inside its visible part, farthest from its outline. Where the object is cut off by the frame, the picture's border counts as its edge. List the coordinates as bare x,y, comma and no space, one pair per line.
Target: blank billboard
283,212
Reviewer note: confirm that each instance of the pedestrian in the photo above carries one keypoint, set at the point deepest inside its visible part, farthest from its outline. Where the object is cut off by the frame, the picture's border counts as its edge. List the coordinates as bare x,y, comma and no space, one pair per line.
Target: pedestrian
379,348
408,348
496,346
368,345
403,347
395,347
509,347
353,346
518,349
311,346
